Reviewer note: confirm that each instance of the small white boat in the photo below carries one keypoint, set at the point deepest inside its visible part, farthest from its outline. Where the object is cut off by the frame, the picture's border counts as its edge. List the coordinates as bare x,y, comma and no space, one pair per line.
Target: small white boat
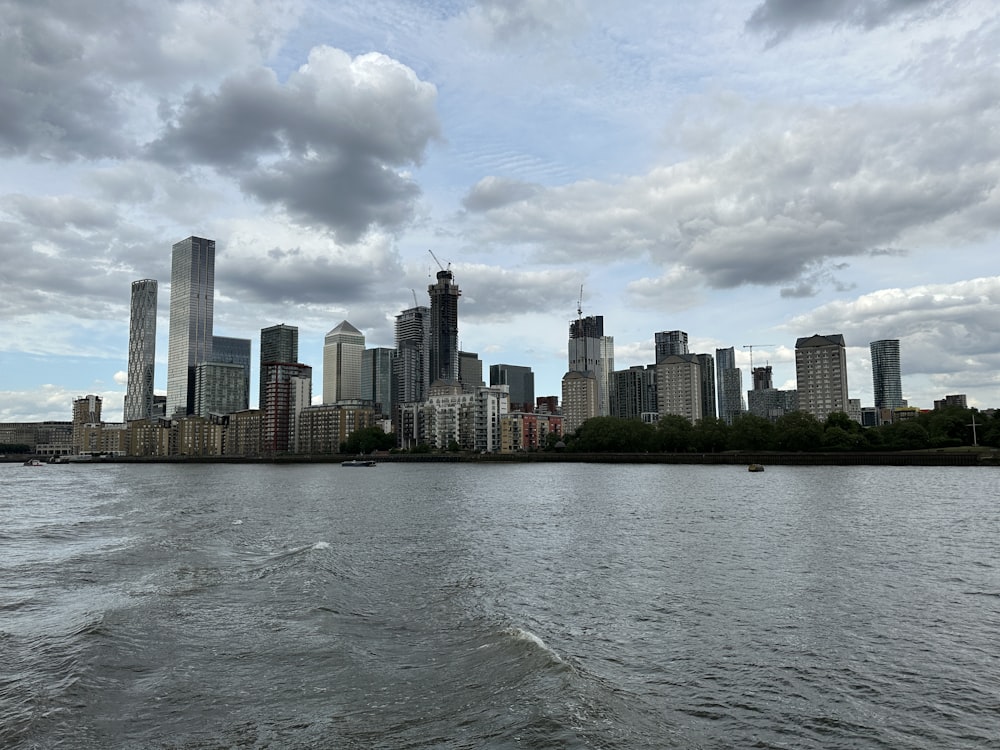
358,462
33,462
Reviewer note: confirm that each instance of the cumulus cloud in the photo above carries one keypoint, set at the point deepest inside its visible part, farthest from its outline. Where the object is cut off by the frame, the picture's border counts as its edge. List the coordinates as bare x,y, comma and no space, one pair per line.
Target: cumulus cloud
944,329
787,206
494,192
783,17
495,293
509,20
73,70
330,145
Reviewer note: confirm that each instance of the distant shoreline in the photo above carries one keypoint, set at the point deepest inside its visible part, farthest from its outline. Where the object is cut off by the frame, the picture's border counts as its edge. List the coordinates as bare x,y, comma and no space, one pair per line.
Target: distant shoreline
949,457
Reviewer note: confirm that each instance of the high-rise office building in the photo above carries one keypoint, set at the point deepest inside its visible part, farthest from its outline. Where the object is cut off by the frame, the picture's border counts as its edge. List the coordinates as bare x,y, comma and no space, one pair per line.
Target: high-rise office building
470,370
192,299
668,343
886,381
444,327
141,351
278,343
219,388
376,378
411,368
730,380
707,364
233,351
521,382
633,393
591,351
343,351
821,374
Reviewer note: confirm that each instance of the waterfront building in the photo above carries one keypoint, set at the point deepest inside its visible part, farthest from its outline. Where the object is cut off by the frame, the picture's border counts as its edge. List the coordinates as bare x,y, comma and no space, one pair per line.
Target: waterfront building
730,382
287,390
821,374
444,296
523,431
243,434
706,364
521,382
376,378
591,351
886,380
233,351
278,343
679,381
343,352
633,393
220,388
197,436
669,343
579,399
192,297
324,428
149,437
470,419
141,350
41,438
86,412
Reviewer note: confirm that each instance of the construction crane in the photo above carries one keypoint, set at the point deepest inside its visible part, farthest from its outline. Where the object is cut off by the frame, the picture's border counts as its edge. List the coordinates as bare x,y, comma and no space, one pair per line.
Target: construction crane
439,262
750,347
579,304
415,303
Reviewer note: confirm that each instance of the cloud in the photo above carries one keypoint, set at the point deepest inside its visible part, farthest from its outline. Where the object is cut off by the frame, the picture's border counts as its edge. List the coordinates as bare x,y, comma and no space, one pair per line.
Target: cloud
787,206
944,329
505,21
329,145
783,17
73,71
492,293
494,192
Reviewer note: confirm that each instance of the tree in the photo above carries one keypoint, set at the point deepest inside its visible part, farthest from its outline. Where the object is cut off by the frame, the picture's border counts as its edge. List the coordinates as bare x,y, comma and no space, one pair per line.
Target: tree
751,433
711,435
612,434
368,439
674,434
798,431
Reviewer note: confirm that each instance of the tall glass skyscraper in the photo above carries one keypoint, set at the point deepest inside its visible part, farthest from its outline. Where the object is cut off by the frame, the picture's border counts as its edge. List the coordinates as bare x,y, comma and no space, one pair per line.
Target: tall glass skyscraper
520,380
192,298
343,350
411,367
141,351
233,351
444,327
886,381
730,380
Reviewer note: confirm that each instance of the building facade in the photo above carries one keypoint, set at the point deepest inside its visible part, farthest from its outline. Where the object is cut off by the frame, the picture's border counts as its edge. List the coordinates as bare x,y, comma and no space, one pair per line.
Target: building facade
233,351
591,351
633,393
376,378
679,386
192,299
579,399
343,354
220,388
278,343
887,384
412,368
520,380
668,343
444,296
730,385
287,390
821,374
141,350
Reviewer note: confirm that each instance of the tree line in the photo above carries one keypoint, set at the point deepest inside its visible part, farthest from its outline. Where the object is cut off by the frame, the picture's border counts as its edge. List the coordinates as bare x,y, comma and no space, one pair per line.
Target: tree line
793,432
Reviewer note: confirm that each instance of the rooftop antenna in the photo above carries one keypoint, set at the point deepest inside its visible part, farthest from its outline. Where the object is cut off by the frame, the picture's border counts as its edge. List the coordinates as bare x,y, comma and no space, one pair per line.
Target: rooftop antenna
750,347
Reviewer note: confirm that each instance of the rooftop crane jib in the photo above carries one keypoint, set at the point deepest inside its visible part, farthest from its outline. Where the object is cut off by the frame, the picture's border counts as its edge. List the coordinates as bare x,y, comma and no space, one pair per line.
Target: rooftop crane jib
750,347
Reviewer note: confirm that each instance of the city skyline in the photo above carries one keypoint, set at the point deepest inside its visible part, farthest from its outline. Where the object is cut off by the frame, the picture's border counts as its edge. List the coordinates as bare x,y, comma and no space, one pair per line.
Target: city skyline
732,169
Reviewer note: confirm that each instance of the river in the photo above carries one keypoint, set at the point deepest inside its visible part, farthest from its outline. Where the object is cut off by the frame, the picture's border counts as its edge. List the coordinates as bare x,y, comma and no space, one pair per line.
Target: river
510,606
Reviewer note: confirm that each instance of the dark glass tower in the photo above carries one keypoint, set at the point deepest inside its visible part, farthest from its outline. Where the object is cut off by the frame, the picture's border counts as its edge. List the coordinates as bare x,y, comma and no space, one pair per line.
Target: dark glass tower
886,381
141,351
444,327
278,343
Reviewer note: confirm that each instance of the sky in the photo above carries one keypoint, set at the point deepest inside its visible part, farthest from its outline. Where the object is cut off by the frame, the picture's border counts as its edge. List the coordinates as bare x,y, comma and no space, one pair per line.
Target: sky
747,171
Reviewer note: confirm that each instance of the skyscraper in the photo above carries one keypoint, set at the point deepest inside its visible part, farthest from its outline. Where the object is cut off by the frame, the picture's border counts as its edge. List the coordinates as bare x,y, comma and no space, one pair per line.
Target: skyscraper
233,351
670,342
730,379
521,381
411,369
821,374
886,381
192,298
343,350
444,327
141,351
279,343
376,378
591,351
679,381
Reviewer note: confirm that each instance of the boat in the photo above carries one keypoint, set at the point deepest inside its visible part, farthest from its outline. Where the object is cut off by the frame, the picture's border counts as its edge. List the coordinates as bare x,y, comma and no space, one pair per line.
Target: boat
755,467
358,462
33,462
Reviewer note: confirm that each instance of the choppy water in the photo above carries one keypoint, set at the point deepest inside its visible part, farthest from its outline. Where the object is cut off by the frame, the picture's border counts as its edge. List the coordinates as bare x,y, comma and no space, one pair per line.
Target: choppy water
555,606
